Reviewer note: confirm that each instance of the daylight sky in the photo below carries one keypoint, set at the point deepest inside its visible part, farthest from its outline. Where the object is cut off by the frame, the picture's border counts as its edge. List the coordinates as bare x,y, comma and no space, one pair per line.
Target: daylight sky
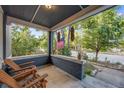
121,10
35,32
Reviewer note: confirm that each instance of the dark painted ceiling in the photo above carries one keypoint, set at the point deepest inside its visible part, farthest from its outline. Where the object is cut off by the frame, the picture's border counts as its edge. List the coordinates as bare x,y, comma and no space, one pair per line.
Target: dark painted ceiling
46,17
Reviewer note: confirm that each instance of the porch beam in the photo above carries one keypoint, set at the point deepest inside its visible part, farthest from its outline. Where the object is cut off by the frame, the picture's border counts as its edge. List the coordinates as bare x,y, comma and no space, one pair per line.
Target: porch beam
81,7
86,12
22,22
35,13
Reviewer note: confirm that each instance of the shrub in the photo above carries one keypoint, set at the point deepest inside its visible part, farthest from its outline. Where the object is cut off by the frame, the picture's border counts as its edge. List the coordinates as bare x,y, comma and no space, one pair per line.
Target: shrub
85,56
65,51
93,60
107,61
118,63
88,71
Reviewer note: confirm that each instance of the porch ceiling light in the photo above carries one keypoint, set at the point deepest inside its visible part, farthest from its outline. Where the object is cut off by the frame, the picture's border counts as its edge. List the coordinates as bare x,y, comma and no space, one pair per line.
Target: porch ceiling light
48,6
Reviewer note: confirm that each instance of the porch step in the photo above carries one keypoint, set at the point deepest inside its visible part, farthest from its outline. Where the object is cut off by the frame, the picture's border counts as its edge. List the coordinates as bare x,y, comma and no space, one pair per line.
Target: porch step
92,82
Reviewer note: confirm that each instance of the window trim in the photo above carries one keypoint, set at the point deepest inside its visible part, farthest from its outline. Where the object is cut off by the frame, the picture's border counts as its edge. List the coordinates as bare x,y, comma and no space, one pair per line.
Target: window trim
9,55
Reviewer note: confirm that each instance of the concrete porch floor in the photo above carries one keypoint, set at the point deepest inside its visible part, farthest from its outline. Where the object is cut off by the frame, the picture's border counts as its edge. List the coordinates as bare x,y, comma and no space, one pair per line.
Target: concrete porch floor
57,78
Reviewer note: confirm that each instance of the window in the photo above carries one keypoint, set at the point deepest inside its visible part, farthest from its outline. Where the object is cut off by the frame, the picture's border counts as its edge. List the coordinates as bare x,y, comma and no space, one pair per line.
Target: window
28,41
97,38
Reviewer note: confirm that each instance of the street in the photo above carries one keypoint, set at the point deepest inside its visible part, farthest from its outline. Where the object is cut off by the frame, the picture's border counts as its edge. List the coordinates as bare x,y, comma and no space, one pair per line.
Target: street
102,57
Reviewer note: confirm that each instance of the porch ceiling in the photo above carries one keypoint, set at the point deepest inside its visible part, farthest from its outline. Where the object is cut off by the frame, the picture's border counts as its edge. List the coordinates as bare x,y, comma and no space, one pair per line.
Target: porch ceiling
41,15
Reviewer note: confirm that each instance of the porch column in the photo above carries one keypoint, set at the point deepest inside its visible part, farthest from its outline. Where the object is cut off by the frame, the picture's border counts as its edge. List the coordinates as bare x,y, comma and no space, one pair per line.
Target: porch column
6,38
50,36
4,35
8,41
49,42
1,36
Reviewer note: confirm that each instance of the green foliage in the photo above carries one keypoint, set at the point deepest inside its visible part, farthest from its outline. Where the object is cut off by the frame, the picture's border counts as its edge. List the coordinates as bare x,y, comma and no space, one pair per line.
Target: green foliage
118,63
106,60
93,59
98,33
24,43
65,51
85,56
102,31
88,71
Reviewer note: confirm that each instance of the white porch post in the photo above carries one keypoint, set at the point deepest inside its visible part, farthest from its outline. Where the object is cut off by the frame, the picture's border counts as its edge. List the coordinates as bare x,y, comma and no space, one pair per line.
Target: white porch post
8,41
1,36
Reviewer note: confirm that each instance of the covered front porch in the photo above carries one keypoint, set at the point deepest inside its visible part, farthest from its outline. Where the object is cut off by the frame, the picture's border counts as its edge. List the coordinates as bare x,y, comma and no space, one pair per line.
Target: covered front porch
63,71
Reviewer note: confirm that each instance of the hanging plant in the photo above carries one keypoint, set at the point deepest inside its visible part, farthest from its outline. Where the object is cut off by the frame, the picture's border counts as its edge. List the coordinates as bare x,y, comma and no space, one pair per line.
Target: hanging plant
69,30
72,33
58,36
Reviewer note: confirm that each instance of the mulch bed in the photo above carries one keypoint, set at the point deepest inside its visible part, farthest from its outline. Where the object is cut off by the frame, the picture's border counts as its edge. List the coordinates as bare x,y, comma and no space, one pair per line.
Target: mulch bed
108,65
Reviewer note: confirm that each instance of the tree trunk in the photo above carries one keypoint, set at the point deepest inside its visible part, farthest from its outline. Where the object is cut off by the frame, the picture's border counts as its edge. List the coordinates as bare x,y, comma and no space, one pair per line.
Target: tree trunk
97,51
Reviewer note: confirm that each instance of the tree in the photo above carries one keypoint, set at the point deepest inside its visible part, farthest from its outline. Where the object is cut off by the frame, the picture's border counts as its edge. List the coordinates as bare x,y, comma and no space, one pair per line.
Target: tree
102,31
99,32
24,43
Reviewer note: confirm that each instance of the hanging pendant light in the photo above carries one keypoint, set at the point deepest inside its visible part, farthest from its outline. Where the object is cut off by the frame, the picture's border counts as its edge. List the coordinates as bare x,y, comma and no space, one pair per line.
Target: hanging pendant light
48,6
